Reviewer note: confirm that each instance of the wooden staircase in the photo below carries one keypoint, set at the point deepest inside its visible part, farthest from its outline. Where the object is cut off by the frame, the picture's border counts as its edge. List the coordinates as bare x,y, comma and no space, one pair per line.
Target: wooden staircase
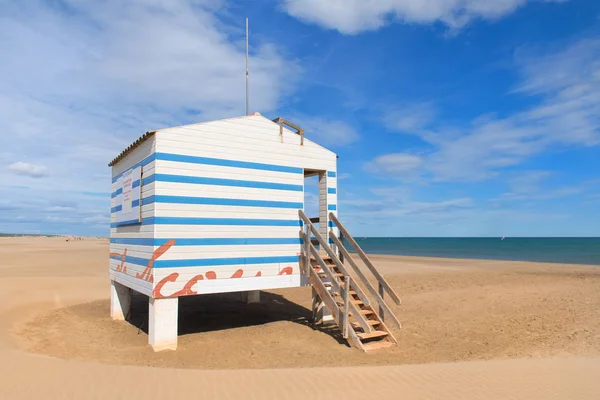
360,318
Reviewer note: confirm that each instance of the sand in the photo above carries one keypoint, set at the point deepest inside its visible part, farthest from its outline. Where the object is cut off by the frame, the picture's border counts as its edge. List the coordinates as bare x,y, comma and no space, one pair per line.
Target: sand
471,329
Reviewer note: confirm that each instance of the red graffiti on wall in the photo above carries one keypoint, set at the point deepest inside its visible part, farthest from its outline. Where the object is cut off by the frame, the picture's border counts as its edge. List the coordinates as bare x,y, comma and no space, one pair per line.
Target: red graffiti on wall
147,273
187,290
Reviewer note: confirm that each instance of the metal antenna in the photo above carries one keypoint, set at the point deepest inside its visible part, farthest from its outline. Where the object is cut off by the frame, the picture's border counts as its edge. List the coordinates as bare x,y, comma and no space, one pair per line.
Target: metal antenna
247,85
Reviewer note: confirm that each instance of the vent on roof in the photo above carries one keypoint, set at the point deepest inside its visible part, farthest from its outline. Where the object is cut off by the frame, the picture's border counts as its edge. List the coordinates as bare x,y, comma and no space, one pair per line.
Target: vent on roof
282,121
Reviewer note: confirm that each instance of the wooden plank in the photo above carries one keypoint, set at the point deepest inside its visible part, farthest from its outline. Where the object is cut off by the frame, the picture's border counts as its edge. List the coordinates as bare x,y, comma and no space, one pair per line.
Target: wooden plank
381,293
323,293
325,271
372,335
325,246
372,346
382,305
346,308
365,259
354,340
371,322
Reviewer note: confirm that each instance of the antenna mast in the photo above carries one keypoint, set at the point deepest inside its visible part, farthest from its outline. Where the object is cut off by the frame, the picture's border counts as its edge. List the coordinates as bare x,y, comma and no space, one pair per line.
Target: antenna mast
247,86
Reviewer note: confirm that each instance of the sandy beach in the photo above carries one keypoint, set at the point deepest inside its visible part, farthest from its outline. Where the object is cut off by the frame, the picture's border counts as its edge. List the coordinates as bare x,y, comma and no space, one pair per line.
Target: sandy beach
471,330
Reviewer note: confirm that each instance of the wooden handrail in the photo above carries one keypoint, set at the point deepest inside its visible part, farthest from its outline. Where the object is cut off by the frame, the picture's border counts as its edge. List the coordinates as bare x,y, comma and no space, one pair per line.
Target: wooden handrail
383,307
384,285
346,314
311,228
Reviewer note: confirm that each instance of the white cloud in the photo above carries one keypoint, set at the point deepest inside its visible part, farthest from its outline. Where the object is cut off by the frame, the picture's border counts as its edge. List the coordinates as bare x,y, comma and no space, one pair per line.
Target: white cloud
567,114
410,118
88,78
27,169
527,181
325,131
355,16
395,163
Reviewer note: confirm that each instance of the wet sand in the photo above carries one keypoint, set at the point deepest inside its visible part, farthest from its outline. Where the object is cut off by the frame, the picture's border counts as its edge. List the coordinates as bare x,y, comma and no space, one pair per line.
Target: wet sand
471,329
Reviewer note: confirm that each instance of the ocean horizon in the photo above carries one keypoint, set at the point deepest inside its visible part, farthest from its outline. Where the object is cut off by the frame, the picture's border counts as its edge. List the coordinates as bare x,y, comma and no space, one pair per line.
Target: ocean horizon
565,250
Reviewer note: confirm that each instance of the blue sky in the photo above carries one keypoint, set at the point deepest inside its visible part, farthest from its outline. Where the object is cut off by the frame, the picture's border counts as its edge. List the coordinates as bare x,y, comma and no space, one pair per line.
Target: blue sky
450,117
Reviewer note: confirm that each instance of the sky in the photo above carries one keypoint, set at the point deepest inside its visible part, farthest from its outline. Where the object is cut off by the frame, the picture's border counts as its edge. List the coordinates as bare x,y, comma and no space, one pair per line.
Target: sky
450,117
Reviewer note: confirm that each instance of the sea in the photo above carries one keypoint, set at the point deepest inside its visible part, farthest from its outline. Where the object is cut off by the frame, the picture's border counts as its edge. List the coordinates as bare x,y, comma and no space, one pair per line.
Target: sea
554,250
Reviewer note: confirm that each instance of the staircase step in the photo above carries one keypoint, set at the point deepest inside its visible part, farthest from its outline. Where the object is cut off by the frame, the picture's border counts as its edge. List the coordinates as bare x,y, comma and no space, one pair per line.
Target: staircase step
371,322
338,294
362,312
324,258
324,275
357,302
381,344
372,335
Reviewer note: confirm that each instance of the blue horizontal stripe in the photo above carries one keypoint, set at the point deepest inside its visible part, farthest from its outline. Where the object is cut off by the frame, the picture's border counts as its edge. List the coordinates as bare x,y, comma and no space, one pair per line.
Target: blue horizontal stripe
206,241
226,163
331,191
124,223
215,221
332,207
221,202
116,193
135,184
145,221
148,179
331,174
224,182
205,262
118,208
224,221
141,163
134,241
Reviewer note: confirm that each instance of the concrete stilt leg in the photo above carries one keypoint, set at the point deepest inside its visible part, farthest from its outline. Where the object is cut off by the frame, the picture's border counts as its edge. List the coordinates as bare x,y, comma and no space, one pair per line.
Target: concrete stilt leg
252,296
120,301
162,323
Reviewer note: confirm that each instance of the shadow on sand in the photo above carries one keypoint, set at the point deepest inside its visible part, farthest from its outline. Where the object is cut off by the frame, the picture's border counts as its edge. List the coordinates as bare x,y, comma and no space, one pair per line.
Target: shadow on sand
215,312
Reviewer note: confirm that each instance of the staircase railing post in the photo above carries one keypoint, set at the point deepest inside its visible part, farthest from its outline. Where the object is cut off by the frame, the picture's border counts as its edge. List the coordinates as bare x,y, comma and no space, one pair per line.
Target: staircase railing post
339,251
381,293
346,314
307,250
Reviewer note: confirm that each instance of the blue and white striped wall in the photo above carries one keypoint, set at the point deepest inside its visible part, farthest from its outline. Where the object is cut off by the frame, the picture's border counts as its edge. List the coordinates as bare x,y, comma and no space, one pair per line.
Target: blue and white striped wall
228,193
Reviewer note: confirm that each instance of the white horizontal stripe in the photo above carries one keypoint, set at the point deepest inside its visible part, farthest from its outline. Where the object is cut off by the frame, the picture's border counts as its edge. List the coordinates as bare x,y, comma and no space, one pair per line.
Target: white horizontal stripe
247,129
229,251
298,159
138,285
132,229
223,172
214,211
225,231
120,248
227,192
126,235
136,155
200,141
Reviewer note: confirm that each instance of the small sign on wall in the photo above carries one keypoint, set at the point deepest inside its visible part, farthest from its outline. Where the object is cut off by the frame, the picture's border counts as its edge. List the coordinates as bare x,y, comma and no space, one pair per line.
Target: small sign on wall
130,184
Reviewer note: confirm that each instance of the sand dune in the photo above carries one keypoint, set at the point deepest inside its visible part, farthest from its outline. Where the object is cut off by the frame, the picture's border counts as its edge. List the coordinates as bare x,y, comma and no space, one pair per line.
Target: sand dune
472,329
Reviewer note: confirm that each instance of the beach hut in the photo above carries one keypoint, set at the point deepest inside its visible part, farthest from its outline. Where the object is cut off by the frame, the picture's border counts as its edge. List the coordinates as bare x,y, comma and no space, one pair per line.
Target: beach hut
217,207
